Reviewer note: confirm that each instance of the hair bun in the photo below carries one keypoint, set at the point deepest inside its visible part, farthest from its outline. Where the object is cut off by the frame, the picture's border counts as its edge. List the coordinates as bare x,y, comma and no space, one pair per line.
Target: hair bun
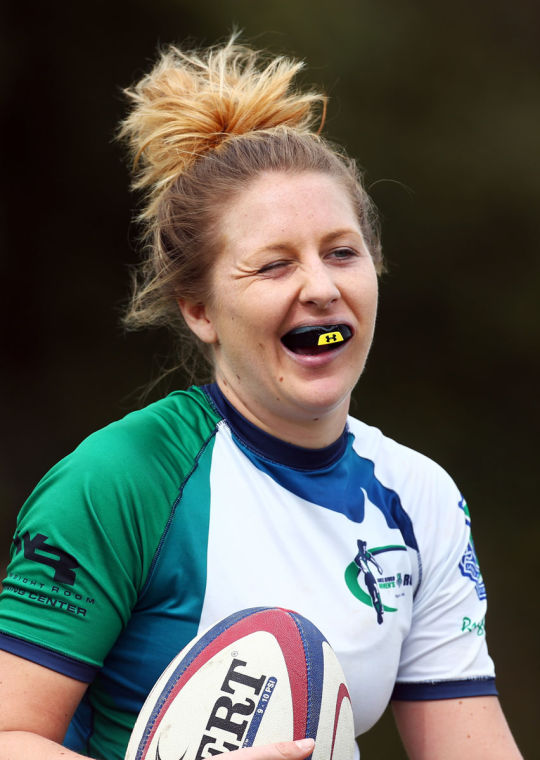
192,102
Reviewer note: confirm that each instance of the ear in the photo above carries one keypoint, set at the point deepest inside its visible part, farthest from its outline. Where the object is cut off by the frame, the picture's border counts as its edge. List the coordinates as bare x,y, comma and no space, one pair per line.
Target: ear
198,320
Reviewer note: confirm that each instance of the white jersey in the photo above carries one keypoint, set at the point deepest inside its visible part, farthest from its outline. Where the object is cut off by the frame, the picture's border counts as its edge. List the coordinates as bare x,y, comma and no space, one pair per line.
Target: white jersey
183,513
373,545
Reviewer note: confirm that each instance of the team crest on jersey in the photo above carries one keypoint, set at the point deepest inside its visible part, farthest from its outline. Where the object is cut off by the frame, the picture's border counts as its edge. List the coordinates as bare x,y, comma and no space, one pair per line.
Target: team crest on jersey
468,565
367,581
470,568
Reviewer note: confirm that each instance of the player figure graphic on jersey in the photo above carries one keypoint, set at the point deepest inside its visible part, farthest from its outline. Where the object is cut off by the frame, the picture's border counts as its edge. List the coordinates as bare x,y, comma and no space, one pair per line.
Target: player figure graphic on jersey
362,560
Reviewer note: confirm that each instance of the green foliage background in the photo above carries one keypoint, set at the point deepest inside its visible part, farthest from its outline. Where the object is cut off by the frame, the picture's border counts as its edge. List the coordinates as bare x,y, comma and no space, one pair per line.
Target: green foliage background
440,104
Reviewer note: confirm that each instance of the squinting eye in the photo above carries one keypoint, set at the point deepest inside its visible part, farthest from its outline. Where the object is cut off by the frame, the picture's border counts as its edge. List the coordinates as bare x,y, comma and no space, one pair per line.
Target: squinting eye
274,266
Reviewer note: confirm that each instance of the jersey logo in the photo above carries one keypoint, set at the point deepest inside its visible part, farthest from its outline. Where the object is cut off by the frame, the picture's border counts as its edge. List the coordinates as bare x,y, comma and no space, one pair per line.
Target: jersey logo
470,568
38,550
462,504
468,565
363,584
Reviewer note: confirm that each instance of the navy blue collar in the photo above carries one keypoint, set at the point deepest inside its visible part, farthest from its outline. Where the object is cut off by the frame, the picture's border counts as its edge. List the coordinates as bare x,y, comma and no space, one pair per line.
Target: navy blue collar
270,447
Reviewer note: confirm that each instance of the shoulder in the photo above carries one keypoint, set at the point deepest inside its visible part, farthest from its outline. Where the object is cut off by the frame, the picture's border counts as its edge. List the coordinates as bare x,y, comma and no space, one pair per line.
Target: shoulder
172,429
424,490
398,466
137,461
181,420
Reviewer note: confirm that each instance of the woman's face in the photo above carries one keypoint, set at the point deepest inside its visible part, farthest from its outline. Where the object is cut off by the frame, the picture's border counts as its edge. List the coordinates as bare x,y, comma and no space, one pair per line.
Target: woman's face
293,256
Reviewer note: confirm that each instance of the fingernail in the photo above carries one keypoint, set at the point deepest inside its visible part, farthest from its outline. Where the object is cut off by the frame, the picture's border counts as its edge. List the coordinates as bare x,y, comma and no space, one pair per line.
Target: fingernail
305,743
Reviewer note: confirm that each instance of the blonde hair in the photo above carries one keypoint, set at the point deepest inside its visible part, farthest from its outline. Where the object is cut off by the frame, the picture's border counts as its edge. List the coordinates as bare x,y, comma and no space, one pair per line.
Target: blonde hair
202,126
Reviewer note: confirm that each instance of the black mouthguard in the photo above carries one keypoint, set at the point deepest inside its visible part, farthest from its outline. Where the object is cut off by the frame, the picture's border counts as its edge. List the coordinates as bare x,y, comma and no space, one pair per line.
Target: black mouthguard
314,336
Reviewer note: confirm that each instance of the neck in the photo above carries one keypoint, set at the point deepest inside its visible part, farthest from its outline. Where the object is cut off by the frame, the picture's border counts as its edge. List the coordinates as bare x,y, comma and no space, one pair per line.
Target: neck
311,432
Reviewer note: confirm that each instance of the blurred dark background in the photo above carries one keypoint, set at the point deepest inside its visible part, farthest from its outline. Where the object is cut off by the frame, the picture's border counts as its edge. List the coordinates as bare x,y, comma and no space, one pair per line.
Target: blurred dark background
440,104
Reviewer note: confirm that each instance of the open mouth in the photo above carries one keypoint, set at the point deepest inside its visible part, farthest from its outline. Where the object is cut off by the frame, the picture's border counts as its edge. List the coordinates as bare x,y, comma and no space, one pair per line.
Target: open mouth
316,339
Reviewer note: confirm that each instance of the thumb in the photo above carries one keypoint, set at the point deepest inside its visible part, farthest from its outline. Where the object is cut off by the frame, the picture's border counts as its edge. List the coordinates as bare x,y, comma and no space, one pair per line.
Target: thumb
296,750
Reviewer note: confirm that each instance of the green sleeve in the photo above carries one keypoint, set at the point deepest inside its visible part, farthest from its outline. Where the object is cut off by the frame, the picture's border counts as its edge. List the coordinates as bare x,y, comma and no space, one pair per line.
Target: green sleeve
86,537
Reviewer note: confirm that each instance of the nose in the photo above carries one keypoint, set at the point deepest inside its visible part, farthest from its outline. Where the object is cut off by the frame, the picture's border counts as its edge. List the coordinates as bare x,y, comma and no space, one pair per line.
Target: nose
318,285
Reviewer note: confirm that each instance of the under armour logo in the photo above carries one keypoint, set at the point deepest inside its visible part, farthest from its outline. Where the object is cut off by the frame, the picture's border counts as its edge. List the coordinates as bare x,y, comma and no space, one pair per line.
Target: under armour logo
330,337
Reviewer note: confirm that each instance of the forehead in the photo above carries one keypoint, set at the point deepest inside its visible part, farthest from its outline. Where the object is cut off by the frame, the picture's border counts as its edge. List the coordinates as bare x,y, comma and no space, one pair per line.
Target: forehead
282,207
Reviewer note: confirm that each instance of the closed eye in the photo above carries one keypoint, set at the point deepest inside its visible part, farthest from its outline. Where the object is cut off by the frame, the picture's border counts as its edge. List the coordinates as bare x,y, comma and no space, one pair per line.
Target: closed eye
274,267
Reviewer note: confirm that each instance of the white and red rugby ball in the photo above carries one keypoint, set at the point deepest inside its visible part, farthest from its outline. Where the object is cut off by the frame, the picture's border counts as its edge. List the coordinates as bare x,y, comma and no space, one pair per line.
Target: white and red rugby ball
261,675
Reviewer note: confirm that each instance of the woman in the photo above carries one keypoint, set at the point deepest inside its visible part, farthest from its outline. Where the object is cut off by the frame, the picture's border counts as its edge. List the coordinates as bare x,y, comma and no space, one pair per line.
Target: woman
257,489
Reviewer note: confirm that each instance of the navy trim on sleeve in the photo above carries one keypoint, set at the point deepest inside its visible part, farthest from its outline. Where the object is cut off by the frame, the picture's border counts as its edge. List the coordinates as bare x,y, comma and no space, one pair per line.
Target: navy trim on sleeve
61,663
469,687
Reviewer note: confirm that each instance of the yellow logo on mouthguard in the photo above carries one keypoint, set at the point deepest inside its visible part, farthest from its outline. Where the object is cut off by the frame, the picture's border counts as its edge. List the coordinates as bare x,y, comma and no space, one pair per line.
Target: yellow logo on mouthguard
331,337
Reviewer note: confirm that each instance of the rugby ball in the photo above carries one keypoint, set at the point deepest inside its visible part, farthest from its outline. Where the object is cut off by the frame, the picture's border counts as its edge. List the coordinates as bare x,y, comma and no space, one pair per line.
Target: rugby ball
262,675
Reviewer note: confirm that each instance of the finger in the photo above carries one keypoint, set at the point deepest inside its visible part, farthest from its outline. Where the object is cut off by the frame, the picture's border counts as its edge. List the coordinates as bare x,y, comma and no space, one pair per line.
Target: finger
296,750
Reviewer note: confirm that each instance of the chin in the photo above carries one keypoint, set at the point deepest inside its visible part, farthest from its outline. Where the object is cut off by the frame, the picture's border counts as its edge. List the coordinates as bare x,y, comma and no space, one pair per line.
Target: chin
320,402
